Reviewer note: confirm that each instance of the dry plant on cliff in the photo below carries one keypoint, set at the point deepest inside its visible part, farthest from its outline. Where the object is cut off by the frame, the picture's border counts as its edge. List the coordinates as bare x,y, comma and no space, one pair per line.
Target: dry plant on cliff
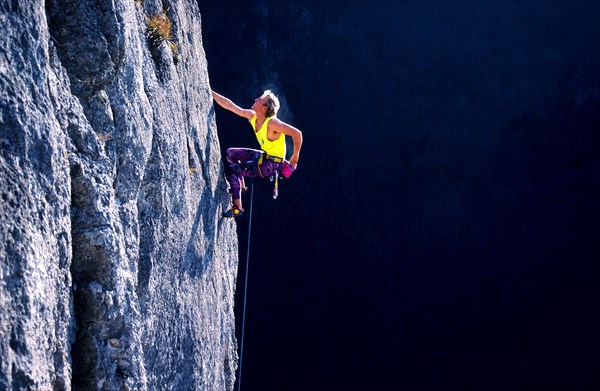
159,30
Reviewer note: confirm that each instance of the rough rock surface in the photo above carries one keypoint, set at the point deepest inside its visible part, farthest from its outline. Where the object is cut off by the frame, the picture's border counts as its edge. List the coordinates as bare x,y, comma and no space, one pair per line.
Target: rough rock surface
117,271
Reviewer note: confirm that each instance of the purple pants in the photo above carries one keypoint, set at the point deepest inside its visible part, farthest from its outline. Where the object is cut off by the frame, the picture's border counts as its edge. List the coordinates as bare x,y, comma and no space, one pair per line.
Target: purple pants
243,162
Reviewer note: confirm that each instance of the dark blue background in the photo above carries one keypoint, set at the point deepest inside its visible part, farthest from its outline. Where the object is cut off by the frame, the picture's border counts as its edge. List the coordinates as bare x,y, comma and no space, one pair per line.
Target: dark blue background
442,229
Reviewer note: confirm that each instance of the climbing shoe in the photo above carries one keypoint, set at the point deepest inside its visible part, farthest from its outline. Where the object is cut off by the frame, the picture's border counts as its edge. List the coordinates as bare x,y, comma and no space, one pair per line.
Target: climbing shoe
233,212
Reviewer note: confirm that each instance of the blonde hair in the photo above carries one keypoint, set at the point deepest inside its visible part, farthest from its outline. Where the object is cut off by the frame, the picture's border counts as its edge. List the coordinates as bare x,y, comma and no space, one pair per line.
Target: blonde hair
272,103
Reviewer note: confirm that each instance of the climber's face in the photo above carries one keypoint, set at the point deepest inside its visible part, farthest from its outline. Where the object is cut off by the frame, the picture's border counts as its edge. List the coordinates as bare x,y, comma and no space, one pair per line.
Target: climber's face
260,104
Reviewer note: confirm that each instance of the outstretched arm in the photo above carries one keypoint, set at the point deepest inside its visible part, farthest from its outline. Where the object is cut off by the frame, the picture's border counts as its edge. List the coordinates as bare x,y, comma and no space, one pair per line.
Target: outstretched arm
294,133
229,105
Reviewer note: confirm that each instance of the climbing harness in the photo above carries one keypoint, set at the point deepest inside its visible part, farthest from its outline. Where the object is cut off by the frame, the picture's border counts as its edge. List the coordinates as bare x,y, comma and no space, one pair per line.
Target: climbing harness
246,285
285,169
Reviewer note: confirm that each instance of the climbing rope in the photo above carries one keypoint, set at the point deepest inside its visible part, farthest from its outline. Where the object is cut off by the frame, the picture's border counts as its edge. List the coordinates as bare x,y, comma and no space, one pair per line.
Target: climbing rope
246,285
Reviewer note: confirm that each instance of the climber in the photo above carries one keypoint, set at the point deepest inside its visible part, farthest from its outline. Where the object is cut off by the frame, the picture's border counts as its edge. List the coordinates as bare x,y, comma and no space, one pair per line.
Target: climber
270,132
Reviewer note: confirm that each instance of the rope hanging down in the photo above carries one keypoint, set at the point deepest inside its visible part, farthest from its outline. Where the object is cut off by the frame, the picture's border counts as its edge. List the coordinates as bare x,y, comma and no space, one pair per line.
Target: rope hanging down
246,285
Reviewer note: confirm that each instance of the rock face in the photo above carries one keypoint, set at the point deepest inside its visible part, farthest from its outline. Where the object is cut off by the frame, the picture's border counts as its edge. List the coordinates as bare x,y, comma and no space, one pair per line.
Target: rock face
117,271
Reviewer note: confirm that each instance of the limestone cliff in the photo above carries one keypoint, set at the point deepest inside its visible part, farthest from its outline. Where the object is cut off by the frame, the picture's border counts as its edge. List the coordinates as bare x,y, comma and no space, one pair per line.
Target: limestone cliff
117,271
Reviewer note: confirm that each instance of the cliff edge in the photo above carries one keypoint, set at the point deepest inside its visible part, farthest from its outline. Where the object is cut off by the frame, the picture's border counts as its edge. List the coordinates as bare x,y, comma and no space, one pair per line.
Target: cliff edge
117,270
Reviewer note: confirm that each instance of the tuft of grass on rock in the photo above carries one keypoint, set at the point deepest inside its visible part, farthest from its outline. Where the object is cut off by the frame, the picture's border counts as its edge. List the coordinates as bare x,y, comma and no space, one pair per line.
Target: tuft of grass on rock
159,30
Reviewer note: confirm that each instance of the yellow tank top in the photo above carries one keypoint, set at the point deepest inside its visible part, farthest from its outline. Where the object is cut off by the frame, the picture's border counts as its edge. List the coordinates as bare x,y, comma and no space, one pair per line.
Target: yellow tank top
273,148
